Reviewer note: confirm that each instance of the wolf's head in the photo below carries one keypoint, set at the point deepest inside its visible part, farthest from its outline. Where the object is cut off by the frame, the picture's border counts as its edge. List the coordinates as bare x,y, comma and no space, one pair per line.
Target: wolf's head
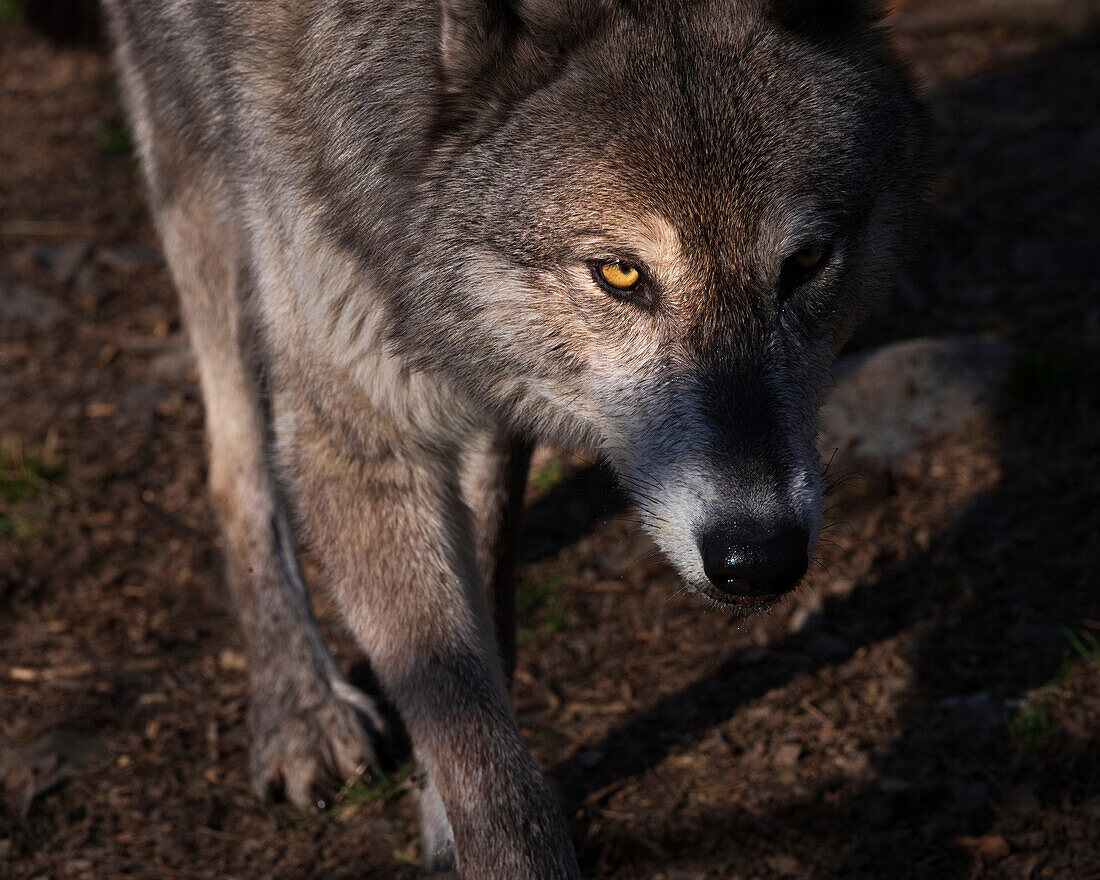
658,221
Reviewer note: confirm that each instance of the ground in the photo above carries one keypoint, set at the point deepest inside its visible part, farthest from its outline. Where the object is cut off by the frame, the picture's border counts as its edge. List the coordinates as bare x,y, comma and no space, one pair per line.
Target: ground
928,705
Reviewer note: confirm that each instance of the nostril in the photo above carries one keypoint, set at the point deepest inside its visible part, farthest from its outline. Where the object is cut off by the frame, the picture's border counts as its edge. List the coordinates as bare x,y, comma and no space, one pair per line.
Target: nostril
746,561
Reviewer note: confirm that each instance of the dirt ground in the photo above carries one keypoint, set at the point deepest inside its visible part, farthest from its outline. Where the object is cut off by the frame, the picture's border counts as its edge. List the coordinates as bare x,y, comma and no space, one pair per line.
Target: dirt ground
928,705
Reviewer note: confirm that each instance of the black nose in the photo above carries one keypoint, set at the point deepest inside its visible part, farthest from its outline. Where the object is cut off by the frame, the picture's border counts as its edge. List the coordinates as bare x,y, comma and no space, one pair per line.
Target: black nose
752,561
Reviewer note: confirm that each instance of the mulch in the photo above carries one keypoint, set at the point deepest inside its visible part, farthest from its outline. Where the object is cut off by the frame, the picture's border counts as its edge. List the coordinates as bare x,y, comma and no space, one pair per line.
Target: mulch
927,705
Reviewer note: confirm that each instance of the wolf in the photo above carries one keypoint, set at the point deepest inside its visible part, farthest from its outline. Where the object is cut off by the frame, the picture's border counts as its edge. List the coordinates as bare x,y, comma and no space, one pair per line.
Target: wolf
411,237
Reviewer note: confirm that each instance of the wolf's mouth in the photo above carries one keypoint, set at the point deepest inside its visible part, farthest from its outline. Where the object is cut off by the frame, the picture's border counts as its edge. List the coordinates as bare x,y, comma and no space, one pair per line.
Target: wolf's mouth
741,605
752,601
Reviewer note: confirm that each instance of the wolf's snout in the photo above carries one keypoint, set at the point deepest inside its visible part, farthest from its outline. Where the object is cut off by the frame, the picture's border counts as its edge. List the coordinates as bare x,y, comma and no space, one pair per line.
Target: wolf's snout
748,562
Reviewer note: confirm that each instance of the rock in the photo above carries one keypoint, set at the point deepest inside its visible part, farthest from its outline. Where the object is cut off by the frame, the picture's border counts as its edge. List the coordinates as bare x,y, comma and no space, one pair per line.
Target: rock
19,303
889,402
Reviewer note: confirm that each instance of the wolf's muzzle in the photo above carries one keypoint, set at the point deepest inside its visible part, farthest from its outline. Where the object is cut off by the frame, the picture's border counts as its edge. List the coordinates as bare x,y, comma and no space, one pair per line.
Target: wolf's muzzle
752,563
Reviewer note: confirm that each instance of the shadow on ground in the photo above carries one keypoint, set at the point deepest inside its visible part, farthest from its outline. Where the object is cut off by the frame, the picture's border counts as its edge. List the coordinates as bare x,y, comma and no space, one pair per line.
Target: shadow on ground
987,606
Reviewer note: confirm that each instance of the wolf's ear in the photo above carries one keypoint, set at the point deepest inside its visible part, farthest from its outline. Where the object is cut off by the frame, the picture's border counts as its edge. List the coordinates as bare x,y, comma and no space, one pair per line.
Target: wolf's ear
474,33
478,35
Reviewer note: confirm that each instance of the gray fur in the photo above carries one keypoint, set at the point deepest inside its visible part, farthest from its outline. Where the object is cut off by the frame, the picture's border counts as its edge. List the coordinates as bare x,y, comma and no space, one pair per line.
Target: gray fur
390,207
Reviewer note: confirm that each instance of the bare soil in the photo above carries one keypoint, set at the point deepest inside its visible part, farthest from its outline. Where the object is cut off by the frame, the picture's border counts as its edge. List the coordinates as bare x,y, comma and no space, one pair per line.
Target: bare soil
928,705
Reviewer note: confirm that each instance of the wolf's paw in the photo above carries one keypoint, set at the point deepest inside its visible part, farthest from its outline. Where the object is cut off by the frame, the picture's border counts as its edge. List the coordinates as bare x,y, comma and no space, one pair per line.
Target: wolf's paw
437,840
298,754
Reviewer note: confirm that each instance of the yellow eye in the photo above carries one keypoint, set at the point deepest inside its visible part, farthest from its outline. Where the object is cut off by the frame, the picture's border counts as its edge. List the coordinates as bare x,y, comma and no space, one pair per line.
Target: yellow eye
620,276
810,256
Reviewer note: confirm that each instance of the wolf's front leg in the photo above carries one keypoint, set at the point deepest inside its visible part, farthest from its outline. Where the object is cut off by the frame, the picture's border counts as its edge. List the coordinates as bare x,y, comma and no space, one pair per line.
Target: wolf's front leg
390,526
494,475
309,726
